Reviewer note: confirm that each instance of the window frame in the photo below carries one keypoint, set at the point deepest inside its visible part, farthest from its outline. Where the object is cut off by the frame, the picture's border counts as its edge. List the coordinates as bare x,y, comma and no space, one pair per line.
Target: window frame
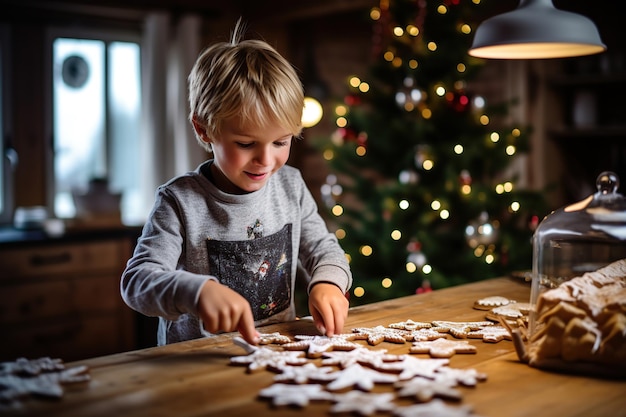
7,154
107,35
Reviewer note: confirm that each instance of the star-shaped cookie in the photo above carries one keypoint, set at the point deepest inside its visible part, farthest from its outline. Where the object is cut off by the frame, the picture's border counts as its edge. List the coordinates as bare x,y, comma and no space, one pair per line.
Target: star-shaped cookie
378,334
46,383
435,407
295,395
308,372
491,334
315,346
362,355
460,329
410,325
420,335
261,357
410,367
423,389
442,348
362,403
23,366
274,338
359,377
466,377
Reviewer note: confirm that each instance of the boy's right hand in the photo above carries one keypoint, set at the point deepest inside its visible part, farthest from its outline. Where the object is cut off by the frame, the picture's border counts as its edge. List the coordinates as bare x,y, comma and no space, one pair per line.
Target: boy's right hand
222,309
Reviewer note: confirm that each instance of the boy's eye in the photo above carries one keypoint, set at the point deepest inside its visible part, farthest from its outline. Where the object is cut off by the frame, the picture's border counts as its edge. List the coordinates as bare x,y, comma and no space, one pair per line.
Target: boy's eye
282,143
244,145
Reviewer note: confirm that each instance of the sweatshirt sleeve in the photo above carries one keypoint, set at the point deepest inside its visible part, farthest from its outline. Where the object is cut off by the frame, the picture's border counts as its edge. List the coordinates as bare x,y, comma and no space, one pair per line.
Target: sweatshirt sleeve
152,283
320,253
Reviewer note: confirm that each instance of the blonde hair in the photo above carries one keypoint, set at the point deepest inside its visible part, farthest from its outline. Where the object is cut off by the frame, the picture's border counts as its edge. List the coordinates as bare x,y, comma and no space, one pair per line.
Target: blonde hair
247,79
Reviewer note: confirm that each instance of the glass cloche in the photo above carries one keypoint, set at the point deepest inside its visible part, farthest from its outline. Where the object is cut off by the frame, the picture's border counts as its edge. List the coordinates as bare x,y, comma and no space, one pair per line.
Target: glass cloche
579,238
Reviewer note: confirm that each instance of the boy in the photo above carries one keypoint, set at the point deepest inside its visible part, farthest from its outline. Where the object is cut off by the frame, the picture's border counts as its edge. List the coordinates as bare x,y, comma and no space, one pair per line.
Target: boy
219,250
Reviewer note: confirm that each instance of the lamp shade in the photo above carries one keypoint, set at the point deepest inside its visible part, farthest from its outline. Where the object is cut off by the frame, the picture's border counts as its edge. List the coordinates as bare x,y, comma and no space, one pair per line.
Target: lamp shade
536,30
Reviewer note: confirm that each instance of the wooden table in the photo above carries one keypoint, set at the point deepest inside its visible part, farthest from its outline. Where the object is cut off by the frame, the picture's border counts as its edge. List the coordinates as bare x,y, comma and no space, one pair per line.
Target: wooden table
195,378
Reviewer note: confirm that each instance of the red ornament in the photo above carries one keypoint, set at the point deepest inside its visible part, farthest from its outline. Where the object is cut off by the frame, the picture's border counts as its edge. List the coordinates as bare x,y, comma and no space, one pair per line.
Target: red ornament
347,134
424,288
533,222
413,246
361,139
352,100
458,101
504,256
465,178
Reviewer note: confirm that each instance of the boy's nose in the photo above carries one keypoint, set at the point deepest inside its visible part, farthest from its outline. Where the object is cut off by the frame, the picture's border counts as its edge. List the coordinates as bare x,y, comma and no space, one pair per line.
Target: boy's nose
263,156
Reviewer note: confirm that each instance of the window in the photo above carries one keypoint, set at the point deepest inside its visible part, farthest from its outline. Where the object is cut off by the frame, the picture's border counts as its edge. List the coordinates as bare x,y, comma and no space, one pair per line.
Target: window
3,198
96,119
7,154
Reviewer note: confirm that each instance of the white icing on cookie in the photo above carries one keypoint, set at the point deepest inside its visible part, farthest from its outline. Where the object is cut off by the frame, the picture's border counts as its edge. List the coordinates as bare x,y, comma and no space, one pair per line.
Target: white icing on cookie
295,395
442,348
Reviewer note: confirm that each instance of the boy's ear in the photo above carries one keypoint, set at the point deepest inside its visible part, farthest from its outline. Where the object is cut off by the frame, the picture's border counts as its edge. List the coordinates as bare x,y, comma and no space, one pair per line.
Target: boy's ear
200,129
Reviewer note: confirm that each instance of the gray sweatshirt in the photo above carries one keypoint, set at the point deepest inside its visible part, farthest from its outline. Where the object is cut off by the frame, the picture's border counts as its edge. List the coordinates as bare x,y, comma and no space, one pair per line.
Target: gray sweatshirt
250,242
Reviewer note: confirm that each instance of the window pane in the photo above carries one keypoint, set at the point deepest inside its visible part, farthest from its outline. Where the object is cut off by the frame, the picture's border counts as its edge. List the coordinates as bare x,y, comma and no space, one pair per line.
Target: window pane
124,121
79,126
8,157
3,197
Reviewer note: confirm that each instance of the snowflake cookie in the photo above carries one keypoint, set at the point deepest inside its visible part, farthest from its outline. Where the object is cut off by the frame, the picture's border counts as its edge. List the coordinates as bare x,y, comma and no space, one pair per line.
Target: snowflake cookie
491,334
442,348
261,358
435,407
423,389
460,329
295,395
410,325
31,367
359,377
372,358
466,377
44,377
362,403
306,373
378,334
315,346
421,335
511,313
274,338
410,367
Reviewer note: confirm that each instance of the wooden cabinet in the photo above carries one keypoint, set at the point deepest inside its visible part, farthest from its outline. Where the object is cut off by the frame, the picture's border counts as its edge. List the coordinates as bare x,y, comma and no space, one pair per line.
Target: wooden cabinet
591,135
586,118
61,298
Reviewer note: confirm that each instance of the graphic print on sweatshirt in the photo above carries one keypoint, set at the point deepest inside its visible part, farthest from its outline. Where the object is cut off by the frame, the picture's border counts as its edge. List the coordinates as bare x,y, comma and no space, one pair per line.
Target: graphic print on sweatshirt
258,269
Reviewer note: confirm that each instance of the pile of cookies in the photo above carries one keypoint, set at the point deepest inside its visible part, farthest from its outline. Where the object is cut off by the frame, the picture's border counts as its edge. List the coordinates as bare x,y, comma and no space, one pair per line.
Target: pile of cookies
581,325
43,377
504,310
343,371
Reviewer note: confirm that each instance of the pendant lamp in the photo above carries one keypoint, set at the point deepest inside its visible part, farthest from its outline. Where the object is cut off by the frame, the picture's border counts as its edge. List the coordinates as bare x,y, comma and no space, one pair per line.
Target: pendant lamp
536,30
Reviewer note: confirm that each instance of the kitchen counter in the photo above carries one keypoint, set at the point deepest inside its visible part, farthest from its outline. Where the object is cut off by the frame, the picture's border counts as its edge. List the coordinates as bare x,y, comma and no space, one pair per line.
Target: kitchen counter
15,237
195,378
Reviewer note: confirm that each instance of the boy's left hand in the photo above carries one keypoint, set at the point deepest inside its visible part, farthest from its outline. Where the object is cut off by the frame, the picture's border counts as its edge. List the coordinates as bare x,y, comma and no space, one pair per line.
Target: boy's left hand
328,307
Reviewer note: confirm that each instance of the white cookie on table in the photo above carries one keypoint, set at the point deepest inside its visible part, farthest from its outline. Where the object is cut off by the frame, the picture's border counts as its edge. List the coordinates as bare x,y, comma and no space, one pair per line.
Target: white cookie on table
487,303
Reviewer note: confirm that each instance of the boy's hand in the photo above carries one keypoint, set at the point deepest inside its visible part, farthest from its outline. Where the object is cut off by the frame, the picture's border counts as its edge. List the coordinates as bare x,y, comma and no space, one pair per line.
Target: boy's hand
328,307
222,309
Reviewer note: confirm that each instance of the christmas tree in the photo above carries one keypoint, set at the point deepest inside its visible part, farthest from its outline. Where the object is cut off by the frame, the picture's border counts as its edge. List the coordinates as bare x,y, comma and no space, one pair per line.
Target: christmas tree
418,189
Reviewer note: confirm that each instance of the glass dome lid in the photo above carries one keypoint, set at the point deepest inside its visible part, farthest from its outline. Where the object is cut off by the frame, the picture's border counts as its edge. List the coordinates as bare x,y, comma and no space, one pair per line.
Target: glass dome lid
581,237
600,216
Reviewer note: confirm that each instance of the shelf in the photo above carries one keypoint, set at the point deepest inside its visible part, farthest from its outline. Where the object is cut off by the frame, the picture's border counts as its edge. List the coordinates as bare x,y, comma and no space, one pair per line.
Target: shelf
609,133
591,80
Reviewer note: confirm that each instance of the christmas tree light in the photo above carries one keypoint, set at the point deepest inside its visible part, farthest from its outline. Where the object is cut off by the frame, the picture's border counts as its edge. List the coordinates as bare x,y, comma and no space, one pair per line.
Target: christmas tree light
419,161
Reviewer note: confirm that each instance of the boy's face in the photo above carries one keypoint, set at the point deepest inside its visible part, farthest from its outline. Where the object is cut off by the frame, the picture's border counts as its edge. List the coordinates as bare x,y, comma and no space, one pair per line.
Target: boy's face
246,156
